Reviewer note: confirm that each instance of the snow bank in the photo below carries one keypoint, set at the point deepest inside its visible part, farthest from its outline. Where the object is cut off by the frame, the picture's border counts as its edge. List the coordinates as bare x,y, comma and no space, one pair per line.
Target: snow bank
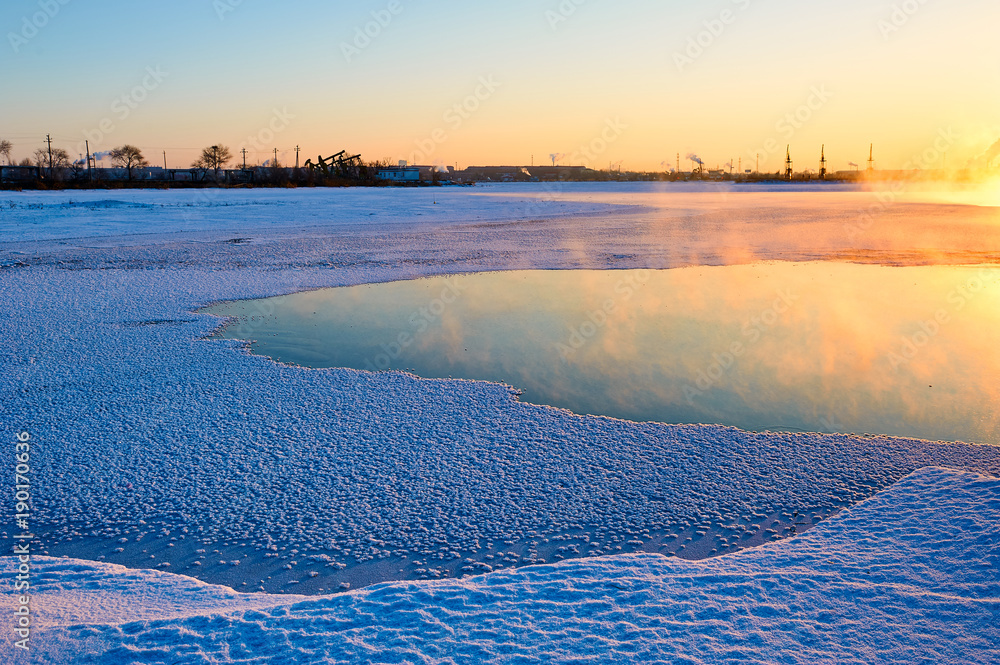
910,575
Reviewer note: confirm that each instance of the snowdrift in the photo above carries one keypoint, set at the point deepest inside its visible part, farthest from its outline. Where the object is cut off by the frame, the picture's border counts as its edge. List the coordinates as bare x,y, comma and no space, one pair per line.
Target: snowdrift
909,575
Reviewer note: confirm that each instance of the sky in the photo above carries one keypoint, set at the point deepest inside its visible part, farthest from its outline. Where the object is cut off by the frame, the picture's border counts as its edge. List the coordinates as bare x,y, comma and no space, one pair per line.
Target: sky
590,82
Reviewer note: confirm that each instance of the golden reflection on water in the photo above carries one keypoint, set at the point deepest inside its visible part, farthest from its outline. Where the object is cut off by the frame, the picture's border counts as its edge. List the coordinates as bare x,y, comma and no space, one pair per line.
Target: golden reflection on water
908,351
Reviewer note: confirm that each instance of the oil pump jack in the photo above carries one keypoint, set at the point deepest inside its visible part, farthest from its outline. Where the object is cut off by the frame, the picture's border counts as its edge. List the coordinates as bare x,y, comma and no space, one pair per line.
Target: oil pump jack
337,165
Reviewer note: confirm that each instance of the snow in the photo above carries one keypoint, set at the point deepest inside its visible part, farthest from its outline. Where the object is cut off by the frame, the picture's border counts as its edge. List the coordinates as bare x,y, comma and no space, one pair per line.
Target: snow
198,453
909,575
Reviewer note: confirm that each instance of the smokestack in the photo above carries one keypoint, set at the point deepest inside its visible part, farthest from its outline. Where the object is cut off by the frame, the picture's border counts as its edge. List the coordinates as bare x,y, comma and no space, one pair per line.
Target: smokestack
695,159
987,157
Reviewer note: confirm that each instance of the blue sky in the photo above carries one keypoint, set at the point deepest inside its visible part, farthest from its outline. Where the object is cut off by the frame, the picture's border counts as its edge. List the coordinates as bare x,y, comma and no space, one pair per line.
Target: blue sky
560,71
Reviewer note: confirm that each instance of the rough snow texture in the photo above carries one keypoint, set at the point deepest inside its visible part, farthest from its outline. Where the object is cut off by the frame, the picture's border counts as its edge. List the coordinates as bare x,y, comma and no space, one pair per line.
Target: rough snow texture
191,454
908,576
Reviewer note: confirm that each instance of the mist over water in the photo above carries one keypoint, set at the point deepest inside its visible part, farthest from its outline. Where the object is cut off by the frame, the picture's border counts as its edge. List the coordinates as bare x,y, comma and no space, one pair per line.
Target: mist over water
825,347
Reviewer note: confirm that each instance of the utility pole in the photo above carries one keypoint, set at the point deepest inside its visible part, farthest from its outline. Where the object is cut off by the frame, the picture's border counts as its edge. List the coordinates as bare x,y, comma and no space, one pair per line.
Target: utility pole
48,139
90,173
244,159
296,158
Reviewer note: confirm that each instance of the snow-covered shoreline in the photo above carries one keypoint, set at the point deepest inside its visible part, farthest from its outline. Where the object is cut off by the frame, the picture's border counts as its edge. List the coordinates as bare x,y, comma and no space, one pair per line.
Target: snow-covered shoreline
909,575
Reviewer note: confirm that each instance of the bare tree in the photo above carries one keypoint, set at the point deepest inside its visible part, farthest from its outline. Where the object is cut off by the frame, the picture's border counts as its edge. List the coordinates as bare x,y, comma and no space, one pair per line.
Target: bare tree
5,148
128,157
59,158
77,168
213,157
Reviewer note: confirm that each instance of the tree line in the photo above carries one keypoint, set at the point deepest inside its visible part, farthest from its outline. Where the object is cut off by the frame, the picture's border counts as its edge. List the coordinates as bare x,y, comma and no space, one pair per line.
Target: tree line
127,157
212,159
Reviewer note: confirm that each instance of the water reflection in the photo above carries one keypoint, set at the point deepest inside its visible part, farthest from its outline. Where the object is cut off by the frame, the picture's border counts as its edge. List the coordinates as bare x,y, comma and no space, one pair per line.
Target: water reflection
812,346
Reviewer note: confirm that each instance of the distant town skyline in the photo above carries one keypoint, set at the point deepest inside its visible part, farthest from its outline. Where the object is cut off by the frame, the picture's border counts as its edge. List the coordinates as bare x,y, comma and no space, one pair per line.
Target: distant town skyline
582,82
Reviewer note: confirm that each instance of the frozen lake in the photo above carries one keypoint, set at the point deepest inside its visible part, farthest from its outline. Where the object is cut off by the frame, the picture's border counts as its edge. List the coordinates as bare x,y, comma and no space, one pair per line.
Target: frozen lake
819,346
318,478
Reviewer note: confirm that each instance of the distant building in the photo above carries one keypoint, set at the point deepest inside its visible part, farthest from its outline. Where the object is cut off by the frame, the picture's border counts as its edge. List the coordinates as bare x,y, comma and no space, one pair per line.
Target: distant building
400,173
561,172
494,173
20,173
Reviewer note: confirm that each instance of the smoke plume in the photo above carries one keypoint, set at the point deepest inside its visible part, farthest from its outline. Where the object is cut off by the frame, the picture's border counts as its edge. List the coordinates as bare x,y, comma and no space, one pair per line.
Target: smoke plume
991,154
